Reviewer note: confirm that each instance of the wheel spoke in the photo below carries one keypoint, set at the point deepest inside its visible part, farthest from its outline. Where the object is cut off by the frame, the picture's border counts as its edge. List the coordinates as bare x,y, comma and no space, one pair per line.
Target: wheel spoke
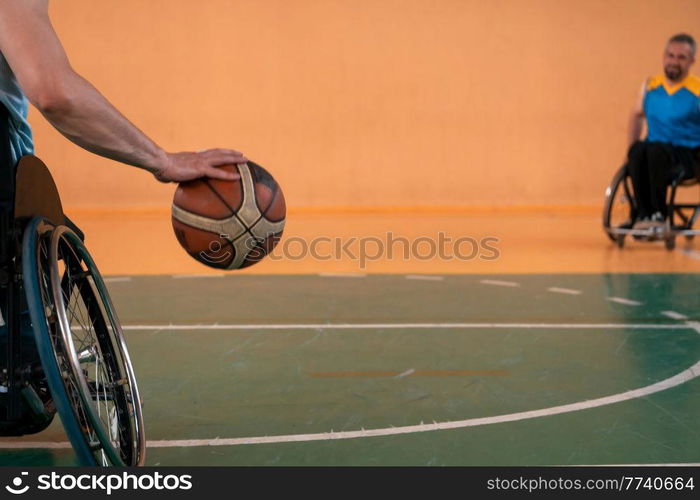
93,367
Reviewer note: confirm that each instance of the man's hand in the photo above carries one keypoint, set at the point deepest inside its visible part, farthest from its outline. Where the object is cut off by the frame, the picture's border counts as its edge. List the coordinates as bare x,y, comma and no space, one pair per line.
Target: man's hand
180,167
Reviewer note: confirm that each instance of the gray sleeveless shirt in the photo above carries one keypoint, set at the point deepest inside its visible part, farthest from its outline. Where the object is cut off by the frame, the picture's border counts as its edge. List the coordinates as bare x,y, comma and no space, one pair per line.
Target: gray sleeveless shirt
11,95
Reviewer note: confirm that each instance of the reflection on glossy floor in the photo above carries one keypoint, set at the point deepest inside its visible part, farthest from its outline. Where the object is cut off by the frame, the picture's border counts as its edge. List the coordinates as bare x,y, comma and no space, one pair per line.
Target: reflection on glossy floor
550,369
564,240
500,338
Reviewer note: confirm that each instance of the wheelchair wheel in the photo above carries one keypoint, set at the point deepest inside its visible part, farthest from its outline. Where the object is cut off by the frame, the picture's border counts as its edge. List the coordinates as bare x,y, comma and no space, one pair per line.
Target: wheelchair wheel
619,211
82,348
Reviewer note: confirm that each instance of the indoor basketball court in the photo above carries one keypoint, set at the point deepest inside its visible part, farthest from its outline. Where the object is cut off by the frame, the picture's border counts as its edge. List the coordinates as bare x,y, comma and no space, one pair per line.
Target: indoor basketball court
423,364
443,292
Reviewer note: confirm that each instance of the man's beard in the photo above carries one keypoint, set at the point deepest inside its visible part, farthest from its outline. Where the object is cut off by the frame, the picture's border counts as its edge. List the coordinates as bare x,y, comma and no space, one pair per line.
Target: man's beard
673,73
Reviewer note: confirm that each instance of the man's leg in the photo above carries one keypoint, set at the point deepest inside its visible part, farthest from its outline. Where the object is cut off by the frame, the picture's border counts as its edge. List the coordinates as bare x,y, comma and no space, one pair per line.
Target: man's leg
686,161
639,173
660,160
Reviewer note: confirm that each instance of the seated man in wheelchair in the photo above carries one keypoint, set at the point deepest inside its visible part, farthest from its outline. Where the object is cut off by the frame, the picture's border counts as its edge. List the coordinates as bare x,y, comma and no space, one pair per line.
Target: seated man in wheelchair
670,105
35,69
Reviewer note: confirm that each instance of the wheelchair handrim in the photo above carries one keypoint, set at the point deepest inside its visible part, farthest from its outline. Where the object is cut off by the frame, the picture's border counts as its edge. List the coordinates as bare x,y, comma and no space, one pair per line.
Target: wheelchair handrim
42,336
79,248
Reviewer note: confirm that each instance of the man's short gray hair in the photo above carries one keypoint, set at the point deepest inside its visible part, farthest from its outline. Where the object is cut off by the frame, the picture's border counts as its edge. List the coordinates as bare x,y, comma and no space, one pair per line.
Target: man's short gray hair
685,38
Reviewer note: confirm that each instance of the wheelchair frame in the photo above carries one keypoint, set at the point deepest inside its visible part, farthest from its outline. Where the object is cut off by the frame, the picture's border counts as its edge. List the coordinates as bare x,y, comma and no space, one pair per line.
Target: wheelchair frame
620,191
78,367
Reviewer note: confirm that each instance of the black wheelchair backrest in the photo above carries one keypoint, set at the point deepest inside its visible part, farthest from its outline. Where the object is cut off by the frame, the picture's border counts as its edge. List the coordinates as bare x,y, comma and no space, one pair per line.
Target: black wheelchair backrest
35,191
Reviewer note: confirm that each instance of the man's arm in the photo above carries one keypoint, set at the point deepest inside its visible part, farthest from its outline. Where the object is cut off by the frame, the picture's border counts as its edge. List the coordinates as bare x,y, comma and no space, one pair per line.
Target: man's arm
636,120
77,110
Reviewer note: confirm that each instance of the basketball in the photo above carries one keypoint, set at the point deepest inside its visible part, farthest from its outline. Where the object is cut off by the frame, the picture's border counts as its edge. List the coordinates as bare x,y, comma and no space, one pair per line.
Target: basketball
229,224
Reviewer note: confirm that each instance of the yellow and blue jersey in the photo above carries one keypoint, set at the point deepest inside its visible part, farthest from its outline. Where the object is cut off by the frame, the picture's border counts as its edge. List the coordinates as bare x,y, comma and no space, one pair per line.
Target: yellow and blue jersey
673,111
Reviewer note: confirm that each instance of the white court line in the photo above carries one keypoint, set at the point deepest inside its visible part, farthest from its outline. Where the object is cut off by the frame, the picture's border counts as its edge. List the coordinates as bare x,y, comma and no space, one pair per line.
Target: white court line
643,465
674,315
682,377
408,372
694,325
693,254
378,326
622,300
342,275
566,291
424,277
500,283
185,276
117,279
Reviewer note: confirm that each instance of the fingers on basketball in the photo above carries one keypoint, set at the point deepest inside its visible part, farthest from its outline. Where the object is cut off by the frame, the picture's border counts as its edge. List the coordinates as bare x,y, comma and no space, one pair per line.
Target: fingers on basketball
230,225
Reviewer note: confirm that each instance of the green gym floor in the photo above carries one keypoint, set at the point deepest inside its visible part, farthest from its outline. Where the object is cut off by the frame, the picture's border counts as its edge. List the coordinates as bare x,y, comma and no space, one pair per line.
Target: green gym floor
394,369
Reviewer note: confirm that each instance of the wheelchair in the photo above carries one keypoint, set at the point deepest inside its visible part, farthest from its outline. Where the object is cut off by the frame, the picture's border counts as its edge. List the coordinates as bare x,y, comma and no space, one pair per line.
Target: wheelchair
62,349
620,212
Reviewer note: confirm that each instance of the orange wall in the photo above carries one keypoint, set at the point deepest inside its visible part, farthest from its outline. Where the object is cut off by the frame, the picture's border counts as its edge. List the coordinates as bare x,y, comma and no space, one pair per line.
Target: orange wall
370,102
